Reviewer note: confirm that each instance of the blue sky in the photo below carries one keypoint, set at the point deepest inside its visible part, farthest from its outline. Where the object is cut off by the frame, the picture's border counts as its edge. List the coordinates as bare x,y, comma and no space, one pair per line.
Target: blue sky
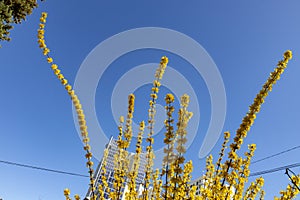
245,39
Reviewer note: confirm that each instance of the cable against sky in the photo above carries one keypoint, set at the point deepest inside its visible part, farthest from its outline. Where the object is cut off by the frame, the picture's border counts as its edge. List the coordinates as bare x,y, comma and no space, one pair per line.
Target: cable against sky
274,155
275,169
253,174
42,168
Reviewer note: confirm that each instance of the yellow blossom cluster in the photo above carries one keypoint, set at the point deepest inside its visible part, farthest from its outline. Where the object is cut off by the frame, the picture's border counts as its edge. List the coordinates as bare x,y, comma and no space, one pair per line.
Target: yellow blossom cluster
214,186
229,180
118,162
128,131
140,138
169,140
178,180
67,193
157,186
132,191
169,134
151,115
184,117
248,120
75,101
121,163
120,171
41,32
291,191
177,174
161,70
254,188
102,188
222,180
224,146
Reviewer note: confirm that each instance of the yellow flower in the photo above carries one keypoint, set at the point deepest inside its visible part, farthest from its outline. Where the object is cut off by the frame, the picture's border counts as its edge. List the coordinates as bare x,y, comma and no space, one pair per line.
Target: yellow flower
164,60
169,98
83,128
88,155
41,36
54,66
252,147
43,20
77,197
64,81
68,87
288,54
42,26
84,134
156,83
121,119
60,76
155,89
41,31
44,15
49,60
142,125
46,51
56,71
226,134
87,147
66,192
42,45
184,100
40,41
85,140
154,96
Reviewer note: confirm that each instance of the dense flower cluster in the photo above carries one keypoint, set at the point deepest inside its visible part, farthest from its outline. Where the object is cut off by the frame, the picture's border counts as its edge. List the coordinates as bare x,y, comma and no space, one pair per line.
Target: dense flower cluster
102,188
291,191
177,176
132,191
222,180
121,163
169,140
75,101
151,115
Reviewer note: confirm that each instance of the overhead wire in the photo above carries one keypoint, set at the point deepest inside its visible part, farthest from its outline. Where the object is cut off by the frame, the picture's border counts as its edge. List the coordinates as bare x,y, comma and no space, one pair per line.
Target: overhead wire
252,174
275,169
274,155
278,168
42,168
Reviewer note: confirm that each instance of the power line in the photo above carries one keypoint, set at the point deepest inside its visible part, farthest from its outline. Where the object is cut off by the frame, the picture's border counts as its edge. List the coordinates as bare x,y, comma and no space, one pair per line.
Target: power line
275,169
274,155
81,175
42,168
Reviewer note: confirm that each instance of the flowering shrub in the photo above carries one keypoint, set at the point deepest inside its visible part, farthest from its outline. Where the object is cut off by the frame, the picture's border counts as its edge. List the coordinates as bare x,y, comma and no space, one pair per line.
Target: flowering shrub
222,180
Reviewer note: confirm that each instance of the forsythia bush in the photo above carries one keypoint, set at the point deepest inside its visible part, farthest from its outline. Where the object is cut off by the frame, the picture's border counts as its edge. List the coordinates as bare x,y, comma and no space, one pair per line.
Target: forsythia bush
222,180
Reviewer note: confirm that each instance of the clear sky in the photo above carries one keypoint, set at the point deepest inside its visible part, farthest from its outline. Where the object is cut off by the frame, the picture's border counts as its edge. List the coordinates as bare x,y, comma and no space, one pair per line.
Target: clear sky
245,39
